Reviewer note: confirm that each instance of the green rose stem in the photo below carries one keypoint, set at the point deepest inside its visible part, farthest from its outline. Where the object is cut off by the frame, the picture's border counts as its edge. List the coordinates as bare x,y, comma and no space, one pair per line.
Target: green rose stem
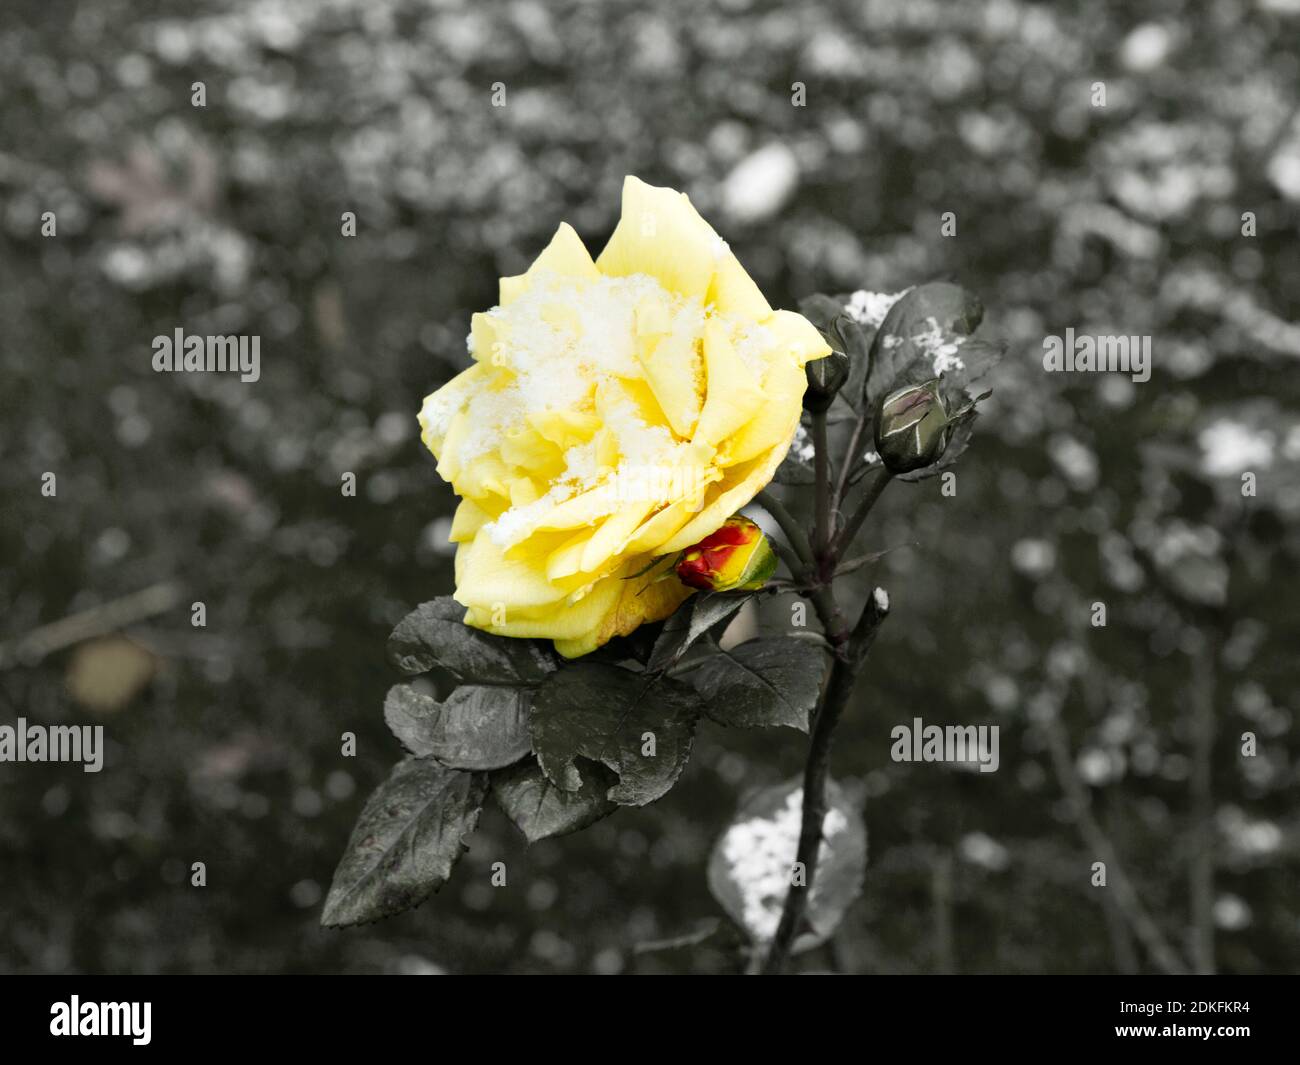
821,457
853,458
794,532
851,527
848,467
849,648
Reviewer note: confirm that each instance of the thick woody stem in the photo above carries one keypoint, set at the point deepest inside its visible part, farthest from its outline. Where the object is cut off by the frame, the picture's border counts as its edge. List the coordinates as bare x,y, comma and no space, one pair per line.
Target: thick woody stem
850,652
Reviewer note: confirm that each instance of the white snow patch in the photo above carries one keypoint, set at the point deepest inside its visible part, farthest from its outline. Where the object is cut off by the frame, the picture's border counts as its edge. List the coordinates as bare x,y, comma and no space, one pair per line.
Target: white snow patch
870,308
801,447
760,852
939,348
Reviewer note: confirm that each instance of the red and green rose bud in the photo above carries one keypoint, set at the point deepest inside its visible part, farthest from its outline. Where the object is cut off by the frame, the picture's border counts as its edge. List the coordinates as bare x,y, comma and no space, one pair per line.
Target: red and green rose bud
736,557
912,427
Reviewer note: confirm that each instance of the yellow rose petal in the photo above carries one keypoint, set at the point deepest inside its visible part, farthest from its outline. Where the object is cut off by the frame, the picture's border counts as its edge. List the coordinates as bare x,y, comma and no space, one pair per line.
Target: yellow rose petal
660,234
485,474
674,369
441,406
657,529
449,455
733,292
612,535
487,339
581,510
525,447
733,396
486,578
632,604
522,491
741,484
565,256
776,422
566,560
469,518
797,337
564,428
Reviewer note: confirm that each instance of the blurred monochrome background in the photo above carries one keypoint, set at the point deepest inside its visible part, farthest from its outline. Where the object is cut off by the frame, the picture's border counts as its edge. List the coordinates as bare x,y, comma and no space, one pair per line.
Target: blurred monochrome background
224,741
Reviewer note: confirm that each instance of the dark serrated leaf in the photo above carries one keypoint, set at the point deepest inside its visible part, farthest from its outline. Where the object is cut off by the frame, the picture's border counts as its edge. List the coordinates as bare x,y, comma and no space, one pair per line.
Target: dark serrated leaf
897,358
409,835
435,633
738,878
605,713
475,728
762,683
540,810
689,622
978,357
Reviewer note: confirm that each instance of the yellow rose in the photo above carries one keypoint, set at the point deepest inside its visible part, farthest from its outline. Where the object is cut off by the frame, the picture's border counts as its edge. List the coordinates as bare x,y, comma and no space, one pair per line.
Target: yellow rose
617,410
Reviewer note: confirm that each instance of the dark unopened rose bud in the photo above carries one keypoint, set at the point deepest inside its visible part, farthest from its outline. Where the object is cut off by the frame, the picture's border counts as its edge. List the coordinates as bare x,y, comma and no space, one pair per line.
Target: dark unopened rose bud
912,427
736,557
825,378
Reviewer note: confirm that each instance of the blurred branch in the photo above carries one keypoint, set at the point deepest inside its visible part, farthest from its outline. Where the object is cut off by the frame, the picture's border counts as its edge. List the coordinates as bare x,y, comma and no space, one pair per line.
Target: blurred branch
941,891
1201,870
1121,940
1126,897
1235,304
97,621
705,931
1279,136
